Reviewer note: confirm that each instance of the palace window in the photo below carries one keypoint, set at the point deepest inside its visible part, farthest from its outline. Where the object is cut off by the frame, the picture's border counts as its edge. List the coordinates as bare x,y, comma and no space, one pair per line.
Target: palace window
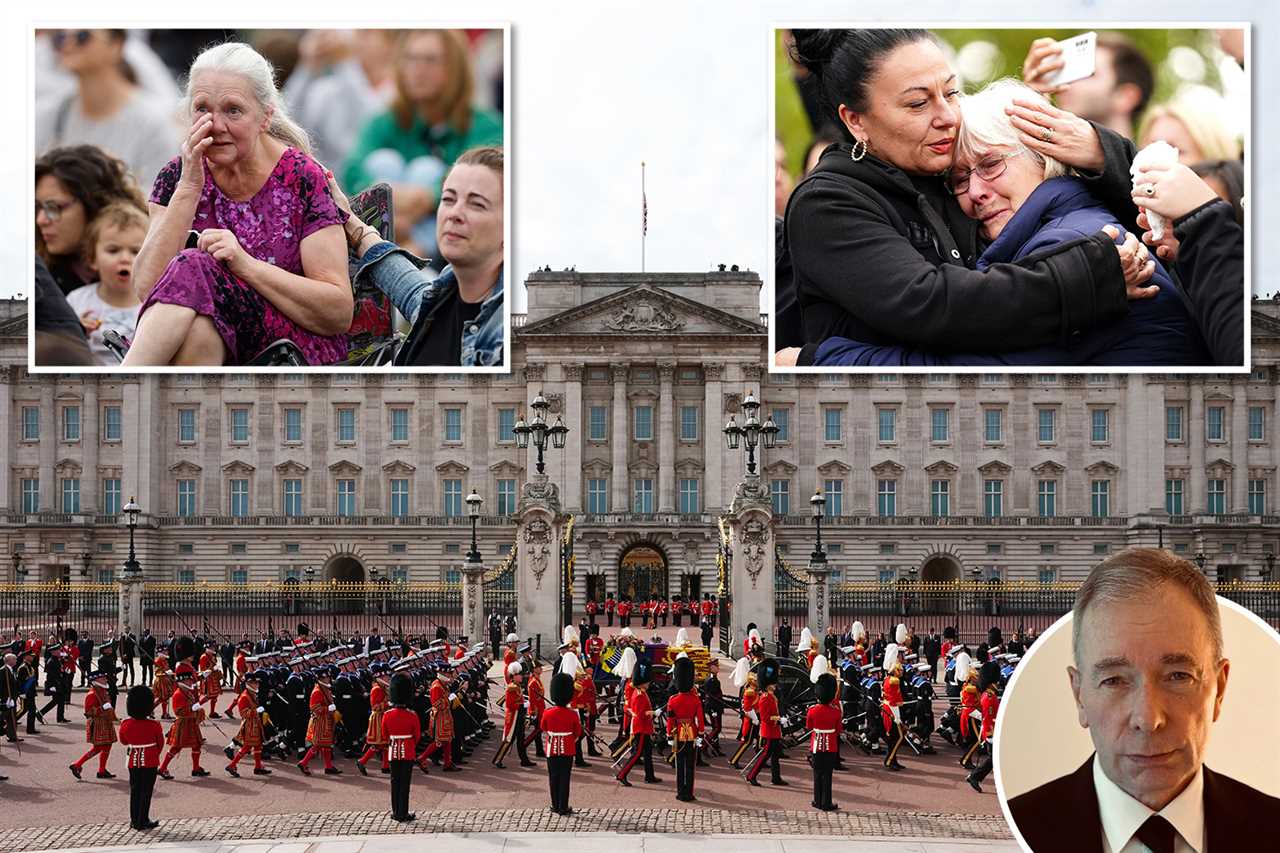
1173,423
597,495
346,497
399,497
112,429
780,496
993,498
940,497
292,497
1100,498
1047,498
886,497
506,496
453,498
1173,496
293,425
833,490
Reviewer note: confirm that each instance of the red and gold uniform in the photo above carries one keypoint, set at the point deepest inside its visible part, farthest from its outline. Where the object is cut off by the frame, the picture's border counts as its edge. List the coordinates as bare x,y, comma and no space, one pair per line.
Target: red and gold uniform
684,728
891,715
592,610
376,738
561,729
990,702
210,682
99,728
143,740
250,733
512,702
970,701
594,648
825,727
749,696
584,702
320,728
640,712
509,657
163,684
535,695
770,737
442,724
185,731
403,730
242,668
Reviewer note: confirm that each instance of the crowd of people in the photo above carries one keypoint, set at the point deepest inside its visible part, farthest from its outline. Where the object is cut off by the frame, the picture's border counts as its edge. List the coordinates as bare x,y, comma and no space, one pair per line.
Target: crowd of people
246,247
1002,227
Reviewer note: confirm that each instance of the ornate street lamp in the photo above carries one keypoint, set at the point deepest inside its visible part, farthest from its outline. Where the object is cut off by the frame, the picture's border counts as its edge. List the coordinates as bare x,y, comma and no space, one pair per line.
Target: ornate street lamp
473,509
85,559
131,511
19,573
538,429
752,433
1201,559
817,502
1270,560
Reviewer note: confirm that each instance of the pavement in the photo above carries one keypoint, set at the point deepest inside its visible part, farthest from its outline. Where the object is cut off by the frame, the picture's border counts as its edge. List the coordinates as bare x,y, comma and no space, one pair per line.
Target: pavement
928,800
587,842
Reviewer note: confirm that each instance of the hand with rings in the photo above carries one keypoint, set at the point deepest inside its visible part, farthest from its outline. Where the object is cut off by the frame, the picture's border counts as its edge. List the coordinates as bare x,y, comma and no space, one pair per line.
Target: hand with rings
1171,191
1056,133
1136,263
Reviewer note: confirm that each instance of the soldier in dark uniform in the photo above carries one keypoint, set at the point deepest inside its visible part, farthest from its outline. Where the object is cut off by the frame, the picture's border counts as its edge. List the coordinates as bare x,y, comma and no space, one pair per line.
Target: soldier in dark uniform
784,638
28,676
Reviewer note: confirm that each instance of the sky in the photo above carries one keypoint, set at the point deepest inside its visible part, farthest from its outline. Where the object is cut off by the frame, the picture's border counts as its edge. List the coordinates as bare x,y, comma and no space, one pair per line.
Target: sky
597,88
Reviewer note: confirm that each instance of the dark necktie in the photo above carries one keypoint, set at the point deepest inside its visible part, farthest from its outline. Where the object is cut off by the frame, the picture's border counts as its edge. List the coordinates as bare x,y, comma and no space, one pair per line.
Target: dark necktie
1157,833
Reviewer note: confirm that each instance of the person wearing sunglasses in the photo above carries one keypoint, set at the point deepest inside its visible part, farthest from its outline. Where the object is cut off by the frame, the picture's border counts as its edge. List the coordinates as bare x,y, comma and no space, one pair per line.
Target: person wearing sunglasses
106,107
1026,204
881,251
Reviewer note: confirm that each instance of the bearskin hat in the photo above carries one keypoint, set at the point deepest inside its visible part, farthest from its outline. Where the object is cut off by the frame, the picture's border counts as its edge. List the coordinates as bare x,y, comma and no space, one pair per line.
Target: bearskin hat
561,689
69,635
949,632
988,675
401,689
683,671
184,647
995,637
768,673
826,688
643,673
140,702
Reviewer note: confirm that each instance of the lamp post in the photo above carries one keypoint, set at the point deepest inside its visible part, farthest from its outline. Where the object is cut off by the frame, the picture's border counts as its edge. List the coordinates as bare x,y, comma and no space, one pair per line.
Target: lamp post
85,559
311,578
538,429
752,433
1270,560
473,509
131,511
1201,559
817,503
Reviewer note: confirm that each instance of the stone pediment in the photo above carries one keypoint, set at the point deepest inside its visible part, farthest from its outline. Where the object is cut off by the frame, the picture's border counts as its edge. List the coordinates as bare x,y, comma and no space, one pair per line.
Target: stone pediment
781,468
642,310
237,467
291,467
184,469
941,468
452,468
505,467
834,468
1101,467
1219,468
397,466
67,466
344,466
1048,468
1264,325
995,468
888,469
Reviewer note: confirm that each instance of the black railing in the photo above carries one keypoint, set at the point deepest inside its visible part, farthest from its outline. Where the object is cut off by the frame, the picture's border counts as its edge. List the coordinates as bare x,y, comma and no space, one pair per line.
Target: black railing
48,608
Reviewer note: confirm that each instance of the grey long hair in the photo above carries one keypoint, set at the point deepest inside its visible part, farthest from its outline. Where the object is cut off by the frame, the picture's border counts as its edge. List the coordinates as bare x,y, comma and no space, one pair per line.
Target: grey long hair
239,58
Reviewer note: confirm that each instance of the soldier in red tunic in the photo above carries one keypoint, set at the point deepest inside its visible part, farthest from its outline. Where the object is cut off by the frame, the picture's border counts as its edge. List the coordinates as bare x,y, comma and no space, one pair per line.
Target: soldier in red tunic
609,605
988,682
163,685
561,728
442,698
592,609
749,730
210,682
143,739
824,725
403,730
535,705
241,667
593,648
708,610
891,706
624,669
510,656
323,720
99,726
641,713
684,727
770,726
250,734
584,702
185,731
513,702
376,739
752,641
970,701
624,613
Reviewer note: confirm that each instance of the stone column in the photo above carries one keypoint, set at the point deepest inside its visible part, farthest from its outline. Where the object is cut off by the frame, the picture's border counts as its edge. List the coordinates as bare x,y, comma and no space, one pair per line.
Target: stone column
90,435
712,438
752,543
537,562
819,596
619,477
473,624
129,614
1195,497
50,436
1238,500
666,439
13,432
574,440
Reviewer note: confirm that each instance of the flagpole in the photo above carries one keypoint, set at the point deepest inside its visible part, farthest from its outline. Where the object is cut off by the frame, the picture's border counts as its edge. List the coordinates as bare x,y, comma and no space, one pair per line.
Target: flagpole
644,215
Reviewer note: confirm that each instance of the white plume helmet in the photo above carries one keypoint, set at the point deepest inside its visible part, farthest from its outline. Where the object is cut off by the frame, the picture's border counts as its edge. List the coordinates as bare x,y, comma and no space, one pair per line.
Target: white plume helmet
625,632
741,671
819,669
627,665
514,668
806,638
513,638
570,634
858,630
569,664
963,664
890,657
754,634
682,637
900,636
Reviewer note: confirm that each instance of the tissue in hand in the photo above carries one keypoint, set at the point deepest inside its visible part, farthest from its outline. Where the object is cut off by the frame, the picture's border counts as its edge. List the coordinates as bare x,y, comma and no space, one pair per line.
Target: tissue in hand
1158,153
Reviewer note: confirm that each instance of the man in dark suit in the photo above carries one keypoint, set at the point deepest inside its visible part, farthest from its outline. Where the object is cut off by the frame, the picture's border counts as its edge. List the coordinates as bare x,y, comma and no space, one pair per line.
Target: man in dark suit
933,651
784,638
85,661
1148,696
147,657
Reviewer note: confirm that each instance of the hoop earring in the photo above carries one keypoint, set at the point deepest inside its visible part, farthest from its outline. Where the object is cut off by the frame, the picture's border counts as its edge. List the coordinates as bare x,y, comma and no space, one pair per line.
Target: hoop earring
854,153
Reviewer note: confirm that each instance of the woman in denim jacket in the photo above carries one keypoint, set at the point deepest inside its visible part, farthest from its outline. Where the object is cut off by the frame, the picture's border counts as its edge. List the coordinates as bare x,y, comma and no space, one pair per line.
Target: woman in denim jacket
456,318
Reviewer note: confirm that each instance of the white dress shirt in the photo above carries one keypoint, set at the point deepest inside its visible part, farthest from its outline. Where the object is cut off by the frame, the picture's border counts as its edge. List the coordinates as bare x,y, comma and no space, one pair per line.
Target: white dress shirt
1122,815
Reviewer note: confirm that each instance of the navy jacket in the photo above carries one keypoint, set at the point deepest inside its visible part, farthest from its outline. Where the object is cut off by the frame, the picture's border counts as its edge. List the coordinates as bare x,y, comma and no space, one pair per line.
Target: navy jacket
1156,331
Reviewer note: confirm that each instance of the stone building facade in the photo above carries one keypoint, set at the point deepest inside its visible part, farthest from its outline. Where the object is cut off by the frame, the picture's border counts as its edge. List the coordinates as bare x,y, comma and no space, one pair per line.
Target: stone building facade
262,476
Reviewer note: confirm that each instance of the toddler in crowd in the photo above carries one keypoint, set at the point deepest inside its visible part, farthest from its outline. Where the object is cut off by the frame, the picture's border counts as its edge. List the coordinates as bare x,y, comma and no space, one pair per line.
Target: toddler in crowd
112,242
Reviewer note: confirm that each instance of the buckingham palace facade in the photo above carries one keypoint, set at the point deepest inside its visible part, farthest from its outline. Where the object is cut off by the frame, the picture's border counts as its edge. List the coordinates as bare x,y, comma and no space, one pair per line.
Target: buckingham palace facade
260,477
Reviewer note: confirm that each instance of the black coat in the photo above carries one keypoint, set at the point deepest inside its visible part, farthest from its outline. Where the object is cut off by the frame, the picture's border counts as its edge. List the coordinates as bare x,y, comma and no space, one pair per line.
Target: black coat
147,648
1210,268
784,635
883,257
1062,816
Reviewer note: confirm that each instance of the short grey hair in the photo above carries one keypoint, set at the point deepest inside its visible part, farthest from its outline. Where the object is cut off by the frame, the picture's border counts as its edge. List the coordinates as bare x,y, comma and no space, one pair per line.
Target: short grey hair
985,124
241,59
1138,573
